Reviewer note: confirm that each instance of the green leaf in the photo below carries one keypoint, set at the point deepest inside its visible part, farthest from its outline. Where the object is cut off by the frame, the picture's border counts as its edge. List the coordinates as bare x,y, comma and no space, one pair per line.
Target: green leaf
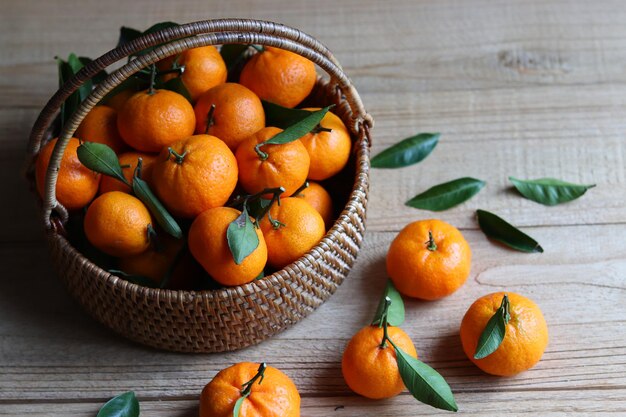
395,313
550,191
242,237
69,106
407,152
447,195
282,117
298,129
426,384
160,213
497,228
100,76
233,54
124,405
155,28
135,279
237,407
76,65
257,206
127,35
100,158
494,332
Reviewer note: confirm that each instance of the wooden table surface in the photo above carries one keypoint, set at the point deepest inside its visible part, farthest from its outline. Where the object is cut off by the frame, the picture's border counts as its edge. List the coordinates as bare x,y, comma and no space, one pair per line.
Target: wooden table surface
527,88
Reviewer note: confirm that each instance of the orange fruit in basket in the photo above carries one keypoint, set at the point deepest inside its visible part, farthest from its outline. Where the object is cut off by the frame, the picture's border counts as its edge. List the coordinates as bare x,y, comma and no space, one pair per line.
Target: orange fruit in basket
279,76
525,338
320,200
118,224
204,69
76,184
370,370
291,229
328,146
155,262
238,113
209,245
100,126
118,100
274,395
286,165
194,175
429,259
128,162
148,122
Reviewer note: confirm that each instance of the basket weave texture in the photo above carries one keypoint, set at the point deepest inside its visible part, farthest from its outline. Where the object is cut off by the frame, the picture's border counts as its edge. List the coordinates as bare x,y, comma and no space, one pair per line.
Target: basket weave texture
228,318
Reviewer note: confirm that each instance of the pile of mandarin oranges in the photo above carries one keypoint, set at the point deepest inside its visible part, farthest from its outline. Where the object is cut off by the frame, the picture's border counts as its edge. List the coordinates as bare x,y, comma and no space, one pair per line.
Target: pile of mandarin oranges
205,158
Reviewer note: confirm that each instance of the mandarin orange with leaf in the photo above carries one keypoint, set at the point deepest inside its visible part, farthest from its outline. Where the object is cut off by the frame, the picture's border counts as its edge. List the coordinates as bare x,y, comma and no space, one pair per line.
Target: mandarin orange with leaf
429,259
76,184
194,175
128,162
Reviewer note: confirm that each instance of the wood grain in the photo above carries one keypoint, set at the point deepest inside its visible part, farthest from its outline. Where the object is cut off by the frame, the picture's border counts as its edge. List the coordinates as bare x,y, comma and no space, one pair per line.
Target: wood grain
525,88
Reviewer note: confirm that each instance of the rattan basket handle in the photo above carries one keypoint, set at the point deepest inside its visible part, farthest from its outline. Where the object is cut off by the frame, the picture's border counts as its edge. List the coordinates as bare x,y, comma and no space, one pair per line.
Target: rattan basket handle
210,32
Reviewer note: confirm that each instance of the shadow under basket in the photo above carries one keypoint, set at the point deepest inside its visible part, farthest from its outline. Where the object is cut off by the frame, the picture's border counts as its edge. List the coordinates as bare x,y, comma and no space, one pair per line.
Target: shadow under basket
228,318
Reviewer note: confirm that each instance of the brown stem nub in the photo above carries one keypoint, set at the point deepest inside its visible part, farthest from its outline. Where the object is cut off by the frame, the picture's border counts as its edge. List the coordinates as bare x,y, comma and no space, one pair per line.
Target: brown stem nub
209,119
431,245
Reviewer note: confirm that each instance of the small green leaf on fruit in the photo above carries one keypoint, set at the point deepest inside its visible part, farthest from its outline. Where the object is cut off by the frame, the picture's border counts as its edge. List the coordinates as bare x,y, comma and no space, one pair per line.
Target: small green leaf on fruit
242,237
395,312
282,117
299,128
407,152
124,405
100,158
550,191
496,228
424,383
447,195
494,332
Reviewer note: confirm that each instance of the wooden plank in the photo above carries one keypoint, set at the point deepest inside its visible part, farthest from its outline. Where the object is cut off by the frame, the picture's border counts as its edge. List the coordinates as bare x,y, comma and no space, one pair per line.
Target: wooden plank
496,404
50,350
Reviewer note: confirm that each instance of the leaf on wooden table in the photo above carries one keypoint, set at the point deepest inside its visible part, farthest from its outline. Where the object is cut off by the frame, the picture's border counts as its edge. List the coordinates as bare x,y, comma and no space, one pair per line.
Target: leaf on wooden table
242,237
494,332
424,383
550,191
124,405
497,228
407,152
447,195
395,312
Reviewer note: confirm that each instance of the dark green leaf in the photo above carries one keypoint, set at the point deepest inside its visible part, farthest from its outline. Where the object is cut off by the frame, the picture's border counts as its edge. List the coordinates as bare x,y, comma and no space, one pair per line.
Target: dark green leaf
395,313
76,65
237,407
124,405
299,129
73,101
494,332
407,152
260,276
233,54
135,279
499,229
152,29
257,206
242,237
100,76
282,117
550,191
160,213
447,195
127,34
426,384
100,158
175,84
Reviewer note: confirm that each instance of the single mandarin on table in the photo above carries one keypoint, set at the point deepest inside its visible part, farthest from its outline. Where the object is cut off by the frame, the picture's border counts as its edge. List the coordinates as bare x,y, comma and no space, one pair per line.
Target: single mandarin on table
204,69
209,245
76,184
328,146
371,370
429,259
295,227
318,197
525,339
194,175
282,165
279,76
238,113
149,121
128,162
100,126
118,224
275,395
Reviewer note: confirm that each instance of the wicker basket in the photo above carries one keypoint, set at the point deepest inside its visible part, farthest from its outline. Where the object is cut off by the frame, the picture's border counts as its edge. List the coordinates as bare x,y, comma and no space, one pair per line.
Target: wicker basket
230,318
